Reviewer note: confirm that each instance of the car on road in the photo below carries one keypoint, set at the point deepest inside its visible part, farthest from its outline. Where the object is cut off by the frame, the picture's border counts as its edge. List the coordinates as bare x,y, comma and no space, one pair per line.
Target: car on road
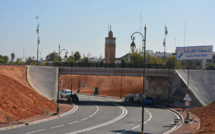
64,93
147,99
130,97
73,98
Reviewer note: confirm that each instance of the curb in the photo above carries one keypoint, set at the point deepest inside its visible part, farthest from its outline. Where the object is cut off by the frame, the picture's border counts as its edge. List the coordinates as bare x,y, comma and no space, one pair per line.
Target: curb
180,116
39,121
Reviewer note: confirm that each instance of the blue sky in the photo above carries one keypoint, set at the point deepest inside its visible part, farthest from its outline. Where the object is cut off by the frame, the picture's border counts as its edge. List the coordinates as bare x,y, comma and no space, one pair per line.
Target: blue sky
82,25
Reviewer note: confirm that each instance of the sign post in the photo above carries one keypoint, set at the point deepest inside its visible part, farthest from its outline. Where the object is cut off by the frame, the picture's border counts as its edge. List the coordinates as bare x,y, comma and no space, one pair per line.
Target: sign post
193,53
83,84
61,83
187,103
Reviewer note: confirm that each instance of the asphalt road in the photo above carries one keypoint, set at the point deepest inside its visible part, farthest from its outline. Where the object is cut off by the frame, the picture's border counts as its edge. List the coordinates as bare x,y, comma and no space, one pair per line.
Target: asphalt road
96,115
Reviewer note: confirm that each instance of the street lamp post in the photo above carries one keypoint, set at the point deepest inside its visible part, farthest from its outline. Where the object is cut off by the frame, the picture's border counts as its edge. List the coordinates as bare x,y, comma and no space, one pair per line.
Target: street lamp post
58,79
62,50
132,49
38,42
164,44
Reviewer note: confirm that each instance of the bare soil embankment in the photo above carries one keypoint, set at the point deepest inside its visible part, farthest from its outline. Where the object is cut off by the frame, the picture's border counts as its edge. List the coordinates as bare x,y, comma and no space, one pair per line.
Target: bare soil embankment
18,99
206,115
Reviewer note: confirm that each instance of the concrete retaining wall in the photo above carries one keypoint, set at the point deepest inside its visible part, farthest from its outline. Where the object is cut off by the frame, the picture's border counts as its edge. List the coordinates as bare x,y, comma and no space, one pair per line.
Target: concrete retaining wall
44,80
201,83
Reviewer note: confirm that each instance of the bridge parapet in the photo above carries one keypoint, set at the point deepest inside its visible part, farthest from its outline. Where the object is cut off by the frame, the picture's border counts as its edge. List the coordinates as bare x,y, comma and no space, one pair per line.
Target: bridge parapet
117,71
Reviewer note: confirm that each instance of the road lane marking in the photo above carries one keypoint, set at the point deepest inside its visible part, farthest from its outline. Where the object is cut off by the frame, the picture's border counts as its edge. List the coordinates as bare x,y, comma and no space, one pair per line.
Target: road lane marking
123,114
150,117
97,109
174,126
57,126
37,131
73,122
84,119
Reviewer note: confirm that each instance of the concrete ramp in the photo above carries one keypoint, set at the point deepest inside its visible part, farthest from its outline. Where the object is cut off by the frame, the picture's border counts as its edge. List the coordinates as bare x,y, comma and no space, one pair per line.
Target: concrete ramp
201,83
44,80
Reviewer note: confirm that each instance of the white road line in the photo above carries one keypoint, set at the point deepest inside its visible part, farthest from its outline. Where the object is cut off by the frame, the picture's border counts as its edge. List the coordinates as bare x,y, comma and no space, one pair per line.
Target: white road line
174,126
135,127
150,117
97,109
73,122
84,119
57,126
124,112
36,131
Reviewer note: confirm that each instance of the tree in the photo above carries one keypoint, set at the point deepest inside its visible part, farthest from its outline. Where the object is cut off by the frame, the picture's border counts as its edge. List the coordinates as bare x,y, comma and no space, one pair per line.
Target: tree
70,59
12,56
29,61
53,57
136,58
210,66
85,61
5,59
124,62
1,59
77,56
19,61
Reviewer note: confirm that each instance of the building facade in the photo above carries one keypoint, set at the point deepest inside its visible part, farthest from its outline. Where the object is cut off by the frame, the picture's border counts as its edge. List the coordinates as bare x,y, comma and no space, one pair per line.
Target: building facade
110,48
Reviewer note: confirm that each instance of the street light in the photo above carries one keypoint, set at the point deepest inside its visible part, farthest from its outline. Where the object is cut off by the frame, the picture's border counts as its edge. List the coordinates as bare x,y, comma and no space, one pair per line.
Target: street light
38,40
164,44
144,62
58,78
62,50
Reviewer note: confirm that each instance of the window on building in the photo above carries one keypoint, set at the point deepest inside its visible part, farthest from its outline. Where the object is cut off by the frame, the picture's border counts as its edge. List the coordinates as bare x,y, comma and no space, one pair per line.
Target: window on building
197,63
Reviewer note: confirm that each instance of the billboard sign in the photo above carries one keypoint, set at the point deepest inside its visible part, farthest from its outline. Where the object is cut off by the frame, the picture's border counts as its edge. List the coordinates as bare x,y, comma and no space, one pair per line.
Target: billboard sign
194,53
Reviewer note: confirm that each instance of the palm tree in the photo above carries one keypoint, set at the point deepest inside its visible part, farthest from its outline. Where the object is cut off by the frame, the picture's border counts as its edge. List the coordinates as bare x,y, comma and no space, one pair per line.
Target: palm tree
77,56
12,56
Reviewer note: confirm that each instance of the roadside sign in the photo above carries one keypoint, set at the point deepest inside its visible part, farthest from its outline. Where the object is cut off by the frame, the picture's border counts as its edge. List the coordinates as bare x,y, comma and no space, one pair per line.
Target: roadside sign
187,97
194,53
61,83
187,103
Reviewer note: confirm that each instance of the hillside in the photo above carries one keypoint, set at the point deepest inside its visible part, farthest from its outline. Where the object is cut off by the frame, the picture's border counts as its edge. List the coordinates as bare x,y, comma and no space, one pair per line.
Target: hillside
206,115
18,99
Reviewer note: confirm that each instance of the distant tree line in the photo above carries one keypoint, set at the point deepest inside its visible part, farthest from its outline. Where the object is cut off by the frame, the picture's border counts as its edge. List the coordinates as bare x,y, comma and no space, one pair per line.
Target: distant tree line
134,59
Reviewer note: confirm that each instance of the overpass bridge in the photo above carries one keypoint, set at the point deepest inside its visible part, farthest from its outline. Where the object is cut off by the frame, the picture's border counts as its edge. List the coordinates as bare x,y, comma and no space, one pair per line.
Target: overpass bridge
161,84
116,71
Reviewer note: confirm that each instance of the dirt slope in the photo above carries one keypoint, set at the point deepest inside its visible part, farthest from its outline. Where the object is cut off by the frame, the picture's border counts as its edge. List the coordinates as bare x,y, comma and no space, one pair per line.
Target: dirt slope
108,85
18,99
207,118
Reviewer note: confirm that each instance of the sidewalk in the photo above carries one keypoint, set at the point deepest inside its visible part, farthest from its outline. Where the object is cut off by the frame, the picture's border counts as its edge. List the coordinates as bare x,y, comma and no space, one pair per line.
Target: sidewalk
187,128
63,108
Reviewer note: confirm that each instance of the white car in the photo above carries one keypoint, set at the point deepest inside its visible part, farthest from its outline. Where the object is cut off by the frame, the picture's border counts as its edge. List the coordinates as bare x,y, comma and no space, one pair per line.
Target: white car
65,93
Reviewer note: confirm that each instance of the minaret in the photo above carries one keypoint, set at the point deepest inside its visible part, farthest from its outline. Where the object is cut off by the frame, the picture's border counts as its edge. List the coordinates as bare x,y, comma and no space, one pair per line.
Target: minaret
110,48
